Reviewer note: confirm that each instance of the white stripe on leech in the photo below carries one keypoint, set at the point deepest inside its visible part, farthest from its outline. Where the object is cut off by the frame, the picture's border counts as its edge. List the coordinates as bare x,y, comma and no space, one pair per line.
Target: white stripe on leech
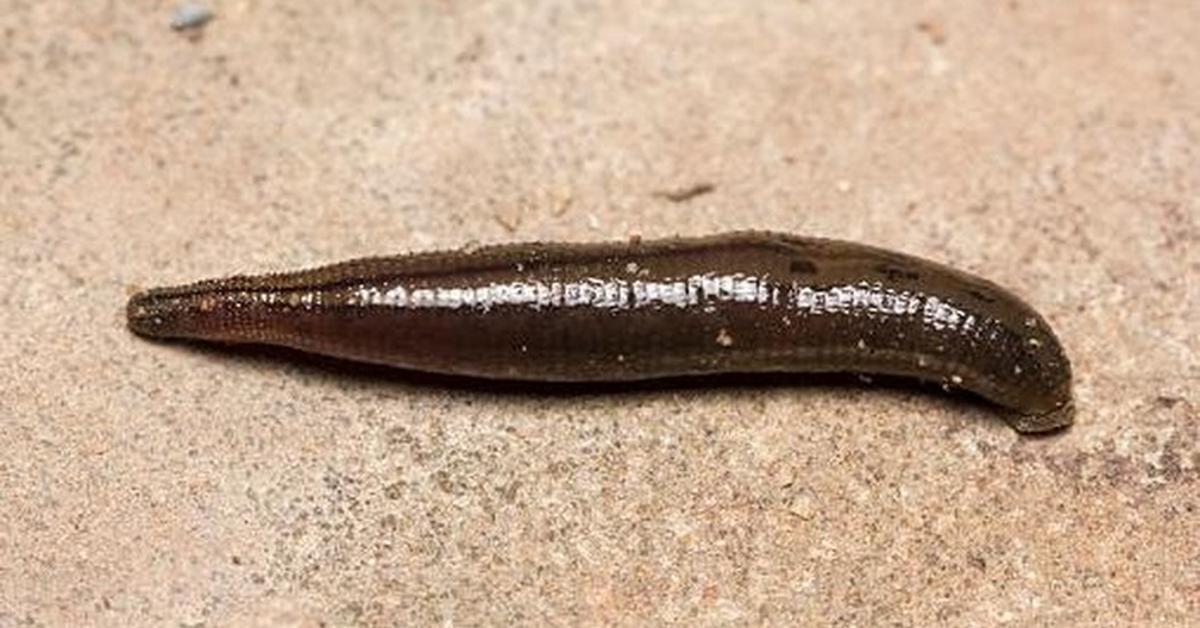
871,299
597,293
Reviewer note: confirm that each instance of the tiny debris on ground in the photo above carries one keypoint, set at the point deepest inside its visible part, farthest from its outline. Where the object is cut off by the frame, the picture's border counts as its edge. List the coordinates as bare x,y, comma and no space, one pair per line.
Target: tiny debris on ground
189,15
686,194
932,30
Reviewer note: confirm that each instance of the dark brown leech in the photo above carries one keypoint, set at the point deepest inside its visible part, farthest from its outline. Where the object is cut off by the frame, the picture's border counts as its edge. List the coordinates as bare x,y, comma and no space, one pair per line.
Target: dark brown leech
737,303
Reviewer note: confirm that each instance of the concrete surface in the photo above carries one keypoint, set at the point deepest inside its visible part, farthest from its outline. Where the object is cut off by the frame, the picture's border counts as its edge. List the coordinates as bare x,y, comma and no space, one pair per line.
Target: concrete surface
1051,146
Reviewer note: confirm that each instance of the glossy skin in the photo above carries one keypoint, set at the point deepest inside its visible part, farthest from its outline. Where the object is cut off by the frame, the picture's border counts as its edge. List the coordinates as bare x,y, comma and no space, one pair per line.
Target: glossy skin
733,303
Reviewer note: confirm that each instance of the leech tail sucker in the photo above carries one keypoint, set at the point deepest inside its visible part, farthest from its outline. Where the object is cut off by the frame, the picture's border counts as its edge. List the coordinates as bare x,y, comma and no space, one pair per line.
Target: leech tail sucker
733,303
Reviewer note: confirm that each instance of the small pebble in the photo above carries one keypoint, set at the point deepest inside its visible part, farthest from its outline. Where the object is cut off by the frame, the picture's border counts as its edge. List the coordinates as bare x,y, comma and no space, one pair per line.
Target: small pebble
190,15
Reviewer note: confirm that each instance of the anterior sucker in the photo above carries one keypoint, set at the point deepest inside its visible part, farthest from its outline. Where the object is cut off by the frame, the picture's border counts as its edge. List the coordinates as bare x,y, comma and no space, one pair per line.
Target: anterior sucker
746,302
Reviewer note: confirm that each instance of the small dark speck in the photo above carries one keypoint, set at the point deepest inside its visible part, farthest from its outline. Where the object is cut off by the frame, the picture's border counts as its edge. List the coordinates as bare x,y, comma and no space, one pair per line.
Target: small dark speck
237,560
189,15
802,267
933,30
680,195
394,490
1168,401
471,53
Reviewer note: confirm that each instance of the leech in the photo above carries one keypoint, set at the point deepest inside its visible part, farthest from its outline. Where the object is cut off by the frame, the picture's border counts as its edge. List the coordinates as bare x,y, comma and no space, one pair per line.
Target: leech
734,303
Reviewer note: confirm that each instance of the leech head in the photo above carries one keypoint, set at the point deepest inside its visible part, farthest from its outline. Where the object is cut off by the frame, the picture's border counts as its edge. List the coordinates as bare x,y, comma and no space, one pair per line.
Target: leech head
157,314
188,312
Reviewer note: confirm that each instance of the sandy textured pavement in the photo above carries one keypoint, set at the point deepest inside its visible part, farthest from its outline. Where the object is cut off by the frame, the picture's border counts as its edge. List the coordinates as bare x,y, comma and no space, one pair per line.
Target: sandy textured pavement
1050,146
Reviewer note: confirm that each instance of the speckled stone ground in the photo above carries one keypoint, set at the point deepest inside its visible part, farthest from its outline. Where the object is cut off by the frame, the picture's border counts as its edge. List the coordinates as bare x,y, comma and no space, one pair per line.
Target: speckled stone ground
1052,147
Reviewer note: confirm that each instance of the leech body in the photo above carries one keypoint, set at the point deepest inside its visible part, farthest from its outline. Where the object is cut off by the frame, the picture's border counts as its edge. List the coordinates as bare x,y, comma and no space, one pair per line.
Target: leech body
736,303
